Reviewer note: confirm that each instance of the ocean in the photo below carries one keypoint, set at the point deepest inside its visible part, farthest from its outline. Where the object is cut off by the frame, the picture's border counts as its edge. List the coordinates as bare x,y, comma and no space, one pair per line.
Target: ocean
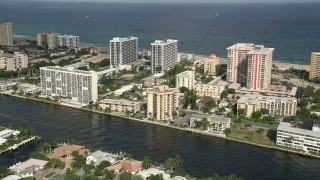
293,29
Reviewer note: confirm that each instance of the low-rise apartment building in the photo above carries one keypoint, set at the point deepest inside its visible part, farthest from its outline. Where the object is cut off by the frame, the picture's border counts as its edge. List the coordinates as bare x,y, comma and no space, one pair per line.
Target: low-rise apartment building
120,105
13,62
283,106
213,89
292,136
218,123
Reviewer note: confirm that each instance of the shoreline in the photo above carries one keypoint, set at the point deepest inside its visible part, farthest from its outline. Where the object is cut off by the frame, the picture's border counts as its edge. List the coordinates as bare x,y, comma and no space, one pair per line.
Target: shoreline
187,130
223,60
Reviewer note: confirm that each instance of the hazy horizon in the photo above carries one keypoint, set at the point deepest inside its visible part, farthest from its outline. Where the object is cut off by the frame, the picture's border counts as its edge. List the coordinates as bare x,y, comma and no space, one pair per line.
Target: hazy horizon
177,1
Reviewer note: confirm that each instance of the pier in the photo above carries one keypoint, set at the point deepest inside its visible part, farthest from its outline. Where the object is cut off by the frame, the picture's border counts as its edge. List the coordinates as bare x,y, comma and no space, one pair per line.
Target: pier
21,144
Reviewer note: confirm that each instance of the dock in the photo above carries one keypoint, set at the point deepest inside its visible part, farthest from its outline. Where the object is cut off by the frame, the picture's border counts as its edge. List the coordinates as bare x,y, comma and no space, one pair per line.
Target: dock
21,144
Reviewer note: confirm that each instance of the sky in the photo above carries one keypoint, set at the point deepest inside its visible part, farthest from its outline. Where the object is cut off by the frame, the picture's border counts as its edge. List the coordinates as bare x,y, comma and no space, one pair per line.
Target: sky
182,1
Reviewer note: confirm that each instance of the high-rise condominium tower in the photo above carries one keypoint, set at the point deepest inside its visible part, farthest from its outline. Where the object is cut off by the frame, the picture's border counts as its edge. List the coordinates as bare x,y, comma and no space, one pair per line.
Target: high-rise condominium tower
163,55
123,51
6,34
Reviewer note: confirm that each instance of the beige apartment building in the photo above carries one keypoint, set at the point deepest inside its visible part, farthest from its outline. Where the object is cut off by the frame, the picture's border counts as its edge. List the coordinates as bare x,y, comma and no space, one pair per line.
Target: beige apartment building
213,90
283,106
250,65
120,105
314,65
162,101
47,40
13,62
6,34
210,65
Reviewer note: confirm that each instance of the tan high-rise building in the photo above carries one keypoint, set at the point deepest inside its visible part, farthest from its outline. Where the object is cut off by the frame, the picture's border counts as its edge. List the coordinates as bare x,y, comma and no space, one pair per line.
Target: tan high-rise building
238,62
259,68
250,65
283,106
314,65
47,40
162,102
6,34
210,65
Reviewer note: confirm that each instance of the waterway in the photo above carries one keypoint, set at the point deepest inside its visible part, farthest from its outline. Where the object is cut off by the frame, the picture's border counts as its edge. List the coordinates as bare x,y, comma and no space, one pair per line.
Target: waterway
203,156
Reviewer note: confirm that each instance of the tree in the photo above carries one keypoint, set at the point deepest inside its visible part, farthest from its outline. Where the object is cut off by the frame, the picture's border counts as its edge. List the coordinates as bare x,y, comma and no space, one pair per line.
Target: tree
155,177
231,91
136,177
304,113
125,176
70,176
303,103
224,94
256,114
179,172
4,172
227,131
88,168
264,111
146,163
308,91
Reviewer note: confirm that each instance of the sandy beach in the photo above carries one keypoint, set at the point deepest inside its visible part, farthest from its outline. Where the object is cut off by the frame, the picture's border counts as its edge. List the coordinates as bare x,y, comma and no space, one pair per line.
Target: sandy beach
280,65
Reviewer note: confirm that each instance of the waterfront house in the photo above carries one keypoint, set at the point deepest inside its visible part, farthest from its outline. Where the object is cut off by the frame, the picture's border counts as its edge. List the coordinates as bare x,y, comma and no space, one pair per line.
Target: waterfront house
28,168
153,171
65,151
98,156
128,165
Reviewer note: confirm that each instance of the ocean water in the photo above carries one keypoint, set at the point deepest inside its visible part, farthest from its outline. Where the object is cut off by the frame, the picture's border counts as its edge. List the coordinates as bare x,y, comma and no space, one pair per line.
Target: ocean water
292,29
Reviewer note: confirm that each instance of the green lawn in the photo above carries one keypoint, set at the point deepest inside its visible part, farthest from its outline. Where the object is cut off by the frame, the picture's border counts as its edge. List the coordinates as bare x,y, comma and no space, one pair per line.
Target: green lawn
250,134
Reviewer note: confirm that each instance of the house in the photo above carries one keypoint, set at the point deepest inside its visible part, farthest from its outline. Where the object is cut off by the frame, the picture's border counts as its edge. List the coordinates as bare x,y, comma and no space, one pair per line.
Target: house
98,156
128,165
28,168
154,171
66,151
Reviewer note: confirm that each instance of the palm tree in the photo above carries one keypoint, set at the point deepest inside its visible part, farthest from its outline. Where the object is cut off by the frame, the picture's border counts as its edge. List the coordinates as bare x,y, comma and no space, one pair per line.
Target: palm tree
146,163
178,161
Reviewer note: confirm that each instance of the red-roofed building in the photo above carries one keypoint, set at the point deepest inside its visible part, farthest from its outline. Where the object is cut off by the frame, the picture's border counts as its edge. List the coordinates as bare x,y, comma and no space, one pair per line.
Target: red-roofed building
66,150
128,165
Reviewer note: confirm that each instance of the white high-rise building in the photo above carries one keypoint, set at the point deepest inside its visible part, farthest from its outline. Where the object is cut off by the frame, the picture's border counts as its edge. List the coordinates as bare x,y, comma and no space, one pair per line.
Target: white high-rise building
185,79
163,55
123,51
69,83
69,41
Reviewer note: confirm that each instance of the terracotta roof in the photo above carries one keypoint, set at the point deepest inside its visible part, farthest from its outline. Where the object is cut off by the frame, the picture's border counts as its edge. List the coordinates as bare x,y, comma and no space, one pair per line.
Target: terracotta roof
66,150
128,165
